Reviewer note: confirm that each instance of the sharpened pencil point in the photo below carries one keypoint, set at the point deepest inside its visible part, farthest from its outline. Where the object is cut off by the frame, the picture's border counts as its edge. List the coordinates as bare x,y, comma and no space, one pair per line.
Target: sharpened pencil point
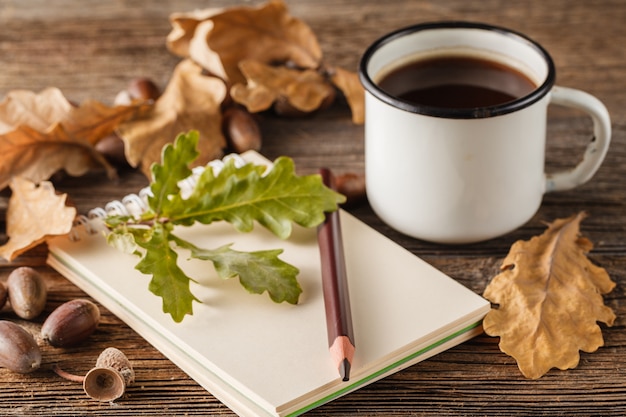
344,370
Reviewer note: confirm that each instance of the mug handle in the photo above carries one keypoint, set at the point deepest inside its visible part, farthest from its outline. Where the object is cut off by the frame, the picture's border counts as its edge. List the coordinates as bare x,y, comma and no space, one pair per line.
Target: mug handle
597,148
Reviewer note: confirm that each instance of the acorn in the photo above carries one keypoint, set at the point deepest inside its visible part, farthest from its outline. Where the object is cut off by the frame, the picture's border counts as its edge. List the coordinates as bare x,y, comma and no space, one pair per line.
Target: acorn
143,88
71,323
112,148
3,295
241,130
19,351
351,185
27,292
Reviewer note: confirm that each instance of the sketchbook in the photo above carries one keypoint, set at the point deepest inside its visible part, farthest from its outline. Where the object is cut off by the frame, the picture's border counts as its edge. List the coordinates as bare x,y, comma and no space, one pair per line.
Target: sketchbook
266,359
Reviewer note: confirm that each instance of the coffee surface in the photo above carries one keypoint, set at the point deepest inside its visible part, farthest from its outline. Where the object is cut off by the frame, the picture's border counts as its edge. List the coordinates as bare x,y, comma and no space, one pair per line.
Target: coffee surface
456,82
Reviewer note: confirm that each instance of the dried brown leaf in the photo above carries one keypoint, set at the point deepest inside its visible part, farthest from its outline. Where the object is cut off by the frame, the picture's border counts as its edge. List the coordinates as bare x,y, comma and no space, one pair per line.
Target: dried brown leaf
191,101
549,300
43,133
34,213
219,39
305,90
184,26
349,84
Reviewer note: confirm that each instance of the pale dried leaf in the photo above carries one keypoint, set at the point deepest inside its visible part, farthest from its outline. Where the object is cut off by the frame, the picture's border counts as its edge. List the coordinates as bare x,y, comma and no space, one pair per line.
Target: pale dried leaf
255,98
31,154
43,133
305,90
34,213
191,101
265,33
200,53
549,300
184,26
349,84
39,111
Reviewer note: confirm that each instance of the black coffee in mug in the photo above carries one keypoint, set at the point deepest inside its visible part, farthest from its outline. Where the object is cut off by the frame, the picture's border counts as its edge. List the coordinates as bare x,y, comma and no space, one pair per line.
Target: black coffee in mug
456,82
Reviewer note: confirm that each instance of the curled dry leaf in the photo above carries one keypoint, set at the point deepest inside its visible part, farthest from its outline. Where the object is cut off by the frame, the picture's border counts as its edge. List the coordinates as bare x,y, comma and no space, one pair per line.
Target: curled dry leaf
43,133
349,84
549,300
305,90
34,213
218,39
188,39
191,101
226,41
184,27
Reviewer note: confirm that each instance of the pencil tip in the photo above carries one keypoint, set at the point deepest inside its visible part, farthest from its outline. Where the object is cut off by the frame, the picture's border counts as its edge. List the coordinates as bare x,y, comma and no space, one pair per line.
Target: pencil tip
344,370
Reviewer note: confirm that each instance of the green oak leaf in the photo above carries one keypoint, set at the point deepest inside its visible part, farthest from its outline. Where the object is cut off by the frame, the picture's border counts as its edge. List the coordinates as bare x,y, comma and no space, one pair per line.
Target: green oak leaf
258,271
122,241
113,220
275,200
173,169
125,238
274,197
168,281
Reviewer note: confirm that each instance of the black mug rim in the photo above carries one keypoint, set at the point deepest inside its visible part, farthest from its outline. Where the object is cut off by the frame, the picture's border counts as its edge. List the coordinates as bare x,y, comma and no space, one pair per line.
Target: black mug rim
457,113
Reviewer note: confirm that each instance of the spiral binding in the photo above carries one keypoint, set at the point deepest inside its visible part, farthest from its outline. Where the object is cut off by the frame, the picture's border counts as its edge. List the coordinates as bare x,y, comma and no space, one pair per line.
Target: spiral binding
136,204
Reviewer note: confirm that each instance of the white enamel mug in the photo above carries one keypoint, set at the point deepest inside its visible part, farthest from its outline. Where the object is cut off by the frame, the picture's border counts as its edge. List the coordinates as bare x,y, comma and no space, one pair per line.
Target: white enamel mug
466,175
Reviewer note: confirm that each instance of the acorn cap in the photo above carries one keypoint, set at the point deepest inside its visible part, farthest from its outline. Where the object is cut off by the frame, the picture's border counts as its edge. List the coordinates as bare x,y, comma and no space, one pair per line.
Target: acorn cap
104,384
108,380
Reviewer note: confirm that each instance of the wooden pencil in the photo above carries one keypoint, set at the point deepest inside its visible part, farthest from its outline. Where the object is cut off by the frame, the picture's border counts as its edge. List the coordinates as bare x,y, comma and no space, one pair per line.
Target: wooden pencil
335,289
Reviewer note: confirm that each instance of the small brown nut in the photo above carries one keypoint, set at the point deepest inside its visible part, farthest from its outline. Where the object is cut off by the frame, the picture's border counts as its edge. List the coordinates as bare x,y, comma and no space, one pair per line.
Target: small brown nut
241,130
143,88
3,295
27,292
352,186
71,323
19,351
112,148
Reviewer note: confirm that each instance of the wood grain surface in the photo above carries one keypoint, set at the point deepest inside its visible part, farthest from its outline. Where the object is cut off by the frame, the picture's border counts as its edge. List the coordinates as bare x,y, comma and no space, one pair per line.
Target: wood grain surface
92,49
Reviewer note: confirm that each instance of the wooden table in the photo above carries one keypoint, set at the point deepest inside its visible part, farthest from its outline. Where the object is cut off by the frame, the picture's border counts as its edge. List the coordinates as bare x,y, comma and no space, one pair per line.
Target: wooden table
91,49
